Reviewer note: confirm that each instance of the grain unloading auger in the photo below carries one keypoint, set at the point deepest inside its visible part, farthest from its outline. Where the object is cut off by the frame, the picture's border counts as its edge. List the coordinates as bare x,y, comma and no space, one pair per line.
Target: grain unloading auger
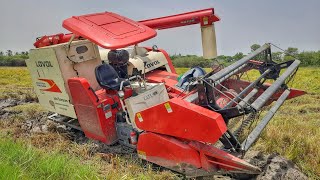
130,96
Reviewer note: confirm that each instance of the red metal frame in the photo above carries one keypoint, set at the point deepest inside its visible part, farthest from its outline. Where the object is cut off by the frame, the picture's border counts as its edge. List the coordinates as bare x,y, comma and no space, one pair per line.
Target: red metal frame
53,39
184,19
203,17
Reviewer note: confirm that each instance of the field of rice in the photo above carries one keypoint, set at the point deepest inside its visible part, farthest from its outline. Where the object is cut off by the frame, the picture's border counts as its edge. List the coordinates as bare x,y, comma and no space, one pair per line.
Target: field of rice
293,133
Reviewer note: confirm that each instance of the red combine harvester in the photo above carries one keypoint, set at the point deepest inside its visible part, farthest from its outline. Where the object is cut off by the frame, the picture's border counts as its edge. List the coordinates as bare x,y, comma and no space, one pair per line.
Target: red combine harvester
127,95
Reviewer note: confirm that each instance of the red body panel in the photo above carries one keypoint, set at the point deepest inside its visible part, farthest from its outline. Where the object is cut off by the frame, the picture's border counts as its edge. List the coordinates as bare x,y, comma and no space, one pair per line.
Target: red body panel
182,119
109,30
167,151
91,115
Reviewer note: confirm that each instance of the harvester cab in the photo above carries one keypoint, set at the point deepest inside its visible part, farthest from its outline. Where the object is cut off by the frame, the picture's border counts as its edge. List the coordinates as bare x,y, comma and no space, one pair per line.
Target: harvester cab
127,95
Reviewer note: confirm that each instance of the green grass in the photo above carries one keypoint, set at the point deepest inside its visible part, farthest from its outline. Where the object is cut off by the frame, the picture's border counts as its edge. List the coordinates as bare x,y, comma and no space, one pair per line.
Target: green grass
294,133
19,161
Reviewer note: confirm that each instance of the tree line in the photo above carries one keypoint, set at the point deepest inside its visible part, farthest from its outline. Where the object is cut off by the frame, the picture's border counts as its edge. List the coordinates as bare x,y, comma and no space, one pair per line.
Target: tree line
10,58
307,58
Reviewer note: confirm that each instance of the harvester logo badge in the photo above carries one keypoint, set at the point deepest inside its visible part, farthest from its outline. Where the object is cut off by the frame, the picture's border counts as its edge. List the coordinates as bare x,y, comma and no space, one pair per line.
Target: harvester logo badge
152,64
43,64
52,86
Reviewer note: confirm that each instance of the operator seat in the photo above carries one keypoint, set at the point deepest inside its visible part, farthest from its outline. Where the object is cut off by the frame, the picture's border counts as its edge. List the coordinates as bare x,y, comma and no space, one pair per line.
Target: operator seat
108,78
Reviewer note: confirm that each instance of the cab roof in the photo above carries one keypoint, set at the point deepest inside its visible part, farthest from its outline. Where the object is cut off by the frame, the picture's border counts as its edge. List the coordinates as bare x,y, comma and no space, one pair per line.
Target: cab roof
109,30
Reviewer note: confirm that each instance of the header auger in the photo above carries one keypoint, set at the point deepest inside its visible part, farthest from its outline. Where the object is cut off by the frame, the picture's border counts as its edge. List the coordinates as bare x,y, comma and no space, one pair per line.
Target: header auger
130,96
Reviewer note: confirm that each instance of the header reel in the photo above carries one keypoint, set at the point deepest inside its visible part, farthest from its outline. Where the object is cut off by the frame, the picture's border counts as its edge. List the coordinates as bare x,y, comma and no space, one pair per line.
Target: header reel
234,97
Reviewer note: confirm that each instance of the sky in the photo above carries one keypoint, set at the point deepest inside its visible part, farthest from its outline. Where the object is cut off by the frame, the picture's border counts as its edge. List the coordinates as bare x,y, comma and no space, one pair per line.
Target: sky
286,23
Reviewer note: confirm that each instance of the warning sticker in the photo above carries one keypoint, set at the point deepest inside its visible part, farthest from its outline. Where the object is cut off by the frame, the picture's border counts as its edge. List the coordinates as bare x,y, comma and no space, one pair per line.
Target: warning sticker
168,107
139,117
108,114
142,155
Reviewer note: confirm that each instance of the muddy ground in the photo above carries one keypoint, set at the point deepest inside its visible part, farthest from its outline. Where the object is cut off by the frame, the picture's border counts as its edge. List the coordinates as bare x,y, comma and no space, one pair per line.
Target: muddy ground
273,166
